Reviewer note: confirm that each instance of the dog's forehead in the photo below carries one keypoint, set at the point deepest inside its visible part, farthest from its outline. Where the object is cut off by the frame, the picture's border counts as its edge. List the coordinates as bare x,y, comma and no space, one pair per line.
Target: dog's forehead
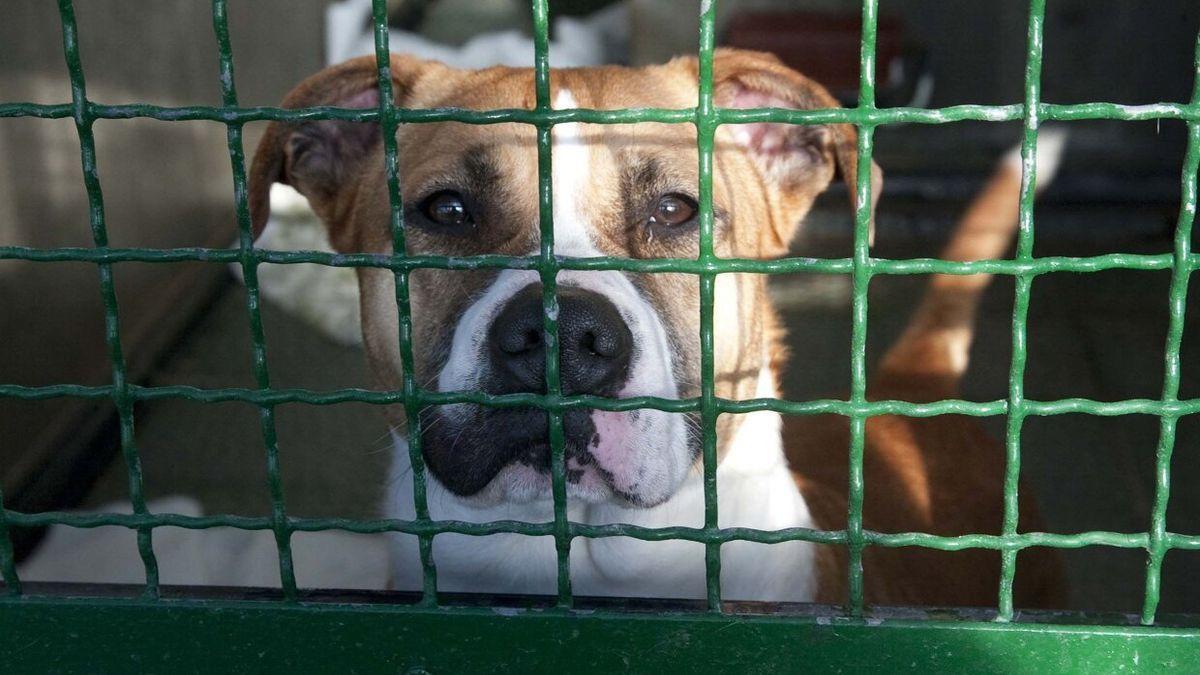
603,88
593,164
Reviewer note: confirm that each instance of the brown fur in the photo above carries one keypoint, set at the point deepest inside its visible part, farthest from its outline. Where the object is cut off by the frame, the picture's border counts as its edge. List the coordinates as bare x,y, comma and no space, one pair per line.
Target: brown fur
939,475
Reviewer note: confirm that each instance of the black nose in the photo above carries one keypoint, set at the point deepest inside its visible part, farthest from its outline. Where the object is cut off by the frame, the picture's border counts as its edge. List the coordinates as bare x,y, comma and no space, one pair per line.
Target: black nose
595,343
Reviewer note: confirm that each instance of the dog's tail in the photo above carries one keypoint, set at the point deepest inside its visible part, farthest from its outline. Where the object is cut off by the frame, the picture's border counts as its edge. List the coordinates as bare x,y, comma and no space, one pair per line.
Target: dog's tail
932,353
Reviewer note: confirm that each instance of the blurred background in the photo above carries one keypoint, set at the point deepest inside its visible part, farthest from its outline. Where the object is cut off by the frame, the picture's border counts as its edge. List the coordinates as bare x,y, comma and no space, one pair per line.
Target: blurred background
170,185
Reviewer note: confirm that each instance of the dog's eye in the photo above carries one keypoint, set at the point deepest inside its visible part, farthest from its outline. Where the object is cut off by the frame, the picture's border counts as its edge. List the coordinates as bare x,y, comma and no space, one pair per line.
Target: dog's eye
447,209
673,210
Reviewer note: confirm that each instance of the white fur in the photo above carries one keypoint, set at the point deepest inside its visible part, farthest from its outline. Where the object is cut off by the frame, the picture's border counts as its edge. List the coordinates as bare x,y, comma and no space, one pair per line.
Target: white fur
755,490
570,173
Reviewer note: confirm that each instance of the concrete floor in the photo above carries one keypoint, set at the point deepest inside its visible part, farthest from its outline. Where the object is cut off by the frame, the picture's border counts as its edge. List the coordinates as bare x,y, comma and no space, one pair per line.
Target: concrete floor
1097,336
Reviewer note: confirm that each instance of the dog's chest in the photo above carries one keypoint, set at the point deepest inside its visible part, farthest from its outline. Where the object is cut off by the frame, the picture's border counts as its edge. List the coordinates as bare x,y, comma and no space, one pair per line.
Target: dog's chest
756,490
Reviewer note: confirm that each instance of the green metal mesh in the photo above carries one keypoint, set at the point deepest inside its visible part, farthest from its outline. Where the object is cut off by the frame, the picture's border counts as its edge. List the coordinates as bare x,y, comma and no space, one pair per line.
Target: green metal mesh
706,117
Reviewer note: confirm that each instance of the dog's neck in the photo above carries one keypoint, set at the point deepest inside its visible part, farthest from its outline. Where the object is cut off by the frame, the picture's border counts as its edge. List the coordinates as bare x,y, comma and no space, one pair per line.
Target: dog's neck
755,490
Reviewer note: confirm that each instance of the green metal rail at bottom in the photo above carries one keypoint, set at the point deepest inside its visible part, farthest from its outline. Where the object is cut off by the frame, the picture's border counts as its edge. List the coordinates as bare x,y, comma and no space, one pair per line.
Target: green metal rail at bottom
119,635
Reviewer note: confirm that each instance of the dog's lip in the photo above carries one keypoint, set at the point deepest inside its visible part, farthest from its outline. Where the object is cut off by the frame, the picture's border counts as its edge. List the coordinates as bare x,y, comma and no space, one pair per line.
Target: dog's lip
571,450
576,459
587,462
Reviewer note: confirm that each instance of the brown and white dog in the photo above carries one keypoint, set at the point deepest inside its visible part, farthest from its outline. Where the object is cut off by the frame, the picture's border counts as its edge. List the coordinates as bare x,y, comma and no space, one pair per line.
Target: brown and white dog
630,191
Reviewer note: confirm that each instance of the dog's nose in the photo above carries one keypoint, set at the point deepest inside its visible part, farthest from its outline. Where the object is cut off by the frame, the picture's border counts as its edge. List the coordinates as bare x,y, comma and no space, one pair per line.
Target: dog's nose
595,343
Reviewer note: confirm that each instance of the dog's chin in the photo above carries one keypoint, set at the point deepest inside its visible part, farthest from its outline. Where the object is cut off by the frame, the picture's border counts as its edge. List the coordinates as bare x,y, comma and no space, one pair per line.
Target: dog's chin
521,484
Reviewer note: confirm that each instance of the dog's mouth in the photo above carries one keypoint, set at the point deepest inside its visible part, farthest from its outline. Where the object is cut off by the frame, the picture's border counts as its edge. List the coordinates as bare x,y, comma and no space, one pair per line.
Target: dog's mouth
466,447
506,455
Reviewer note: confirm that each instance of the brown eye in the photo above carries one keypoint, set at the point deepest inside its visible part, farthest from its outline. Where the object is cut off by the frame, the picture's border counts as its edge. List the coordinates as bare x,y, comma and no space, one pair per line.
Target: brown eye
447,209
673,210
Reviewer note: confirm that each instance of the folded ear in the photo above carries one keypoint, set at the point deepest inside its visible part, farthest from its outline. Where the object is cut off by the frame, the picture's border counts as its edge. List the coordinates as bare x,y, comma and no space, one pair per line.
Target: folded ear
322,157
798,161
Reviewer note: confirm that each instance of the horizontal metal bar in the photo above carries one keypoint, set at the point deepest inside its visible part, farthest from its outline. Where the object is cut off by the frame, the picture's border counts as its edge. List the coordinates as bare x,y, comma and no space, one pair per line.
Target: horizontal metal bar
57,592
867,117
796,265
1014,542
65,634
1182,542
242,115
418,527
563,403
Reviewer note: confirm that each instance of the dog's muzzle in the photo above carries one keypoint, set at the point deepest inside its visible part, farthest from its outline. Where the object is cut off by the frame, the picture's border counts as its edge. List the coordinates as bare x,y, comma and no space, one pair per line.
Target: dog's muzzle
611,343
595,352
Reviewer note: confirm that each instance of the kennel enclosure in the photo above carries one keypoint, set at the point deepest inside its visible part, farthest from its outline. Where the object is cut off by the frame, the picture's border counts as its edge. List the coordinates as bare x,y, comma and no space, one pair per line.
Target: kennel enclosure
48,626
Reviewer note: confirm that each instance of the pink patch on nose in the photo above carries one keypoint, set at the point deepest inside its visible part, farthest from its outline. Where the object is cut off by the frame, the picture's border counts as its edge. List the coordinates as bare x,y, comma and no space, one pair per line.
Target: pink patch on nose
611,447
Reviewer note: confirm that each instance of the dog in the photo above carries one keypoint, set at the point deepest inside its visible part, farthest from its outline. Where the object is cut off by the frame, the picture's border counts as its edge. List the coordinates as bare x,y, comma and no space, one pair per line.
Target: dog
631,191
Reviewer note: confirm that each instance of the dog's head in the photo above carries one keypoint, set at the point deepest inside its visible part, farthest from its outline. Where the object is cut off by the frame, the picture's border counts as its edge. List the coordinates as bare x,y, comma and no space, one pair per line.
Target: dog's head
628,191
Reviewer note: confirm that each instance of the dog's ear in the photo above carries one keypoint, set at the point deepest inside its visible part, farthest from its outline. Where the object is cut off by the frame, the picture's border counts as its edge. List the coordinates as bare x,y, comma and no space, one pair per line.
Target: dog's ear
321,158
797,161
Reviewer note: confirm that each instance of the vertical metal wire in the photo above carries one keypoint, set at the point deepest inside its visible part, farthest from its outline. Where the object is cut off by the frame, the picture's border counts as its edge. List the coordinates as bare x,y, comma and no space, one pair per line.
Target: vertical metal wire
412,404
8,566
548,269
861,279
1024,283
706,128
249,264
1177,306
112,326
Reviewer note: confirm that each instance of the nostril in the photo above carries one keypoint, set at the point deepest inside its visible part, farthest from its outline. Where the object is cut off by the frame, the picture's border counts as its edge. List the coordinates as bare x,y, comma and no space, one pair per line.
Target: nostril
517,342
533,339
588,342
516,345
601,344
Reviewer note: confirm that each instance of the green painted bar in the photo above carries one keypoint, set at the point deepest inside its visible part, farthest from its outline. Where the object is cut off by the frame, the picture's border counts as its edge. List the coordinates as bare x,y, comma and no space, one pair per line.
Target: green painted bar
106,635
706,129
8,564
112,322
1033,266
262,377
1098,110
1177,308
1024,284
410,396
893,540
548,270
723,405
861,271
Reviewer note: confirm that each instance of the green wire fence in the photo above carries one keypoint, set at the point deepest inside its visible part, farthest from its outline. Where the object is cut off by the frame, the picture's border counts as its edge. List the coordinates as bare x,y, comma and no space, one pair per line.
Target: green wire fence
706,117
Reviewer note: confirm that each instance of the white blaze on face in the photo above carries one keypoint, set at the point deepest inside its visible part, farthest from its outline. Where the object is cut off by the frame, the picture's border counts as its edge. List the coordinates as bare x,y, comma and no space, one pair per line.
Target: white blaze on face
570,172
644,454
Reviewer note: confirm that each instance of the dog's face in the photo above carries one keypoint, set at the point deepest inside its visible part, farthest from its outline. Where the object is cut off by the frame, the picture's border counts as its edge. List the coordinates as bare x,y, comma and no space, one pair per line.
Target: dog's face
627,191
